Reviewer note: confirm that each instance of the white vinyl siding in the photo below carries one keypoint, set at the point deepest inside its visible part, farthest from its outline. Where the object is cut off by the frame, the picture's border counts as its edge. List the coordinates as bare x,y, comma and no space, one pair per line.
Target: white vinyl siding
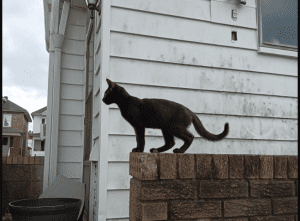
183,51
70,145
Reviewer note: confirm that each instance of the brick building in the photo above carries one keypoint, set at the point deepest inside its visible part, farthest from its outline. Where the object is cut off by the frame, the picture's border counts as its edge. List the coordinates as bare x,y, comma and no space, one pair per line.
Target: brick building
15,121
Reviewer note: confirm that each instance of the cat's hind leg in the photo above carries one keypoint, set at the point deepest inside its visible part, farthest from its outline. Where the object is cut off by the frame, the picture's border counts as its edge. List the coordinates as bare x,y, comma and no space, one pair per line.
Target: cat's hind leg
169,142
184,135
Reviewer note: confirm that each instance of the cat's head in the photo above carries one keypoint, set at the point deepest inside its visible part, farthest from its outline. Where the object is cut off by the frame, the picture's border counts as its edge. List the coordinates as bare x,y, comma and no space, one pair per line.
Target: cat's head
111,93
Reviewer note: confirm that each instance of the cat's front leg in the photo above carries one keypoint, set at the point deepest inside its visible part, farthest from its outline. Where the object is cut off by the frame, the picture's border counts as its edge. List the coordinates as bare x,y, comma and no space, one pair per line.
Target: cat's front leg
140,139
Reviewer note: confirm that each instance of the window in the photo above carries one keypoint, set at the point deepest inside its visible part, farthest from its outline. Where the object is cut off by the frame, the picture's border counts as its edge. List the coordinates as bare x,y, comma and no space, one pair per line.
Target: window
43,146
4,140
43,121
278,24
6,120
11,141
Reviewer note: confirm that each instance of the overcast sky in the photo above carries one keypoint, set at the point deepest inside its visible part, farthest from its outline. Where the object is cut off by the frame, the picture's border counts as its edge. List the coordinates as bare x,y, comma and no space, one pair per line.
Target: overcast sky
25,59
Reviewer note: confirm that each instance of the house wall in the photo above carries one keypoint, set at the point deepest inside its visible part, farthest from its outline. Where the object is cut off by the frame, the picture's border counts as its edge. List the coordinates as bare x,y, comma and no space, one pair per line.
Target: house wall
18,121
70,141
37,121
182,51
37,145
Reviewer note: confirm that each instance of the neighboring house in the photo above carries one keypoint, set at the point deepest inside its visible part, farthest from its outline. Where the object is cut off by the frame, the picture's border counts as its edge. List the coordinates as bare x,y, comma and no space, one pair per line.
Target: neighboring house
15,121
39,132
224,60
29,143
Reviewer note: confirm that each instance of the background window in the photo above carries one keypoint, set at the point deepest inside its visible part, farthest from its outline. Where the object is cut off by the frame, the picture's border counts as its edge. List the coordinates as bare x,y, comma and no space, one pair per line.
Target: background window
6,120
11,141
43,146
4,140
278,21
43,121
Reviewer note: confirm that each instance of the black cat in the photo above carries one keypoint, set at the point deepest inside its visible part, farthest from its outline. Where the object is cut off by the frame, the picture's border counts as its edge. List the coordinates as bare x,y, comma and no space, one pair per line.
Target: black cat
172,118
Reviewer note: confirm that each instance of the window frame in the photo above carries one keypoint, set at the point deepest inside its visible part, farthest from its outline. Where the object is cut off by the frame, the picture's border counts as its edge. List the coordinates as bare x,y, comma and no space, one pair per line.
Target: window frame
290,51
4,115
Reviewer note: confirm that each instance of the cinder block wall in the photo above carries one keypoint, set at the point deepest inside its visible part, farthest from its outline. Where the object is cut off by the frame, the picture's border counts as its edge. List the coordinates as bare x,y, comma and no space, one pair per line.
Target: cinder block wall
213,187
22,178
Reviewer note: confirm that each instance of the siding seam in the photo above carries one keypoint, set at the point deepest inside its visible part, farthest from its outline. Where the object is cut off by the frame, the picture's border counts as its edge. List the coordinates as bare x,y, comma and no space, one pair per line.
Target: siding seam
196,89
176,16
193,65
180,40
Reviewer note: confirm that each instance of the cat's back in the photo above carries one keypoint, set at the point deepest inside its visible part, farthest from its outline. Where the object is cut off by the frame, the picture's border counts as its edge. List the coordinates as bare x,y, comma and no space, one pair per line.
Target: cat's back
162,106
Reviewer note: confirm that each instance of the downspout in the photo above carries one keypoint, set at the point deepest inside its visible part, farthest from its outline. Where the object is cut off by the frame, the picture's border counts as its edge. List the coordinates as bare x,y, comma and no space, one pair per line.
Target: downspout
56,41
49,120
49,106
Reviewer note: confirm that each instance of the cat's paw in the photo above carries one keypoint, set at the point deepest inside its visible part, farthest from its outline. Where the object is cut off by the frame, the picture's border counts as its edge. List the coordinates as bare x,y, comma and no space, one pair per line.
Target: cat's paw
176,150
153,150
136,150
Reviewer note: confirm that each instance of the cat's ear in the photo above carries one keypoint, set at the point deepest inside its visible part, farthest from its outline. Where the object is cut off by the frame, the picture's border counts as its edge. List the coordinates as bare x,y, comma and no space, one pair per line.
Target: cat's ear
109,82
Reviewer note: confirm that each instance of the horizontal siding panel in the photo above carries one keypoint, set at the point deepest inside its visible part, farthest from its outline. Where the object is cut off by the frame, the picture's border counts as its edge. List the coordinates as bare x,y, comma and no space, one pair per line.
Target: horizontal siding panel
250,3
97,63
239,127
77,17
96,127
73,62
70,122
118,176
117,204
96,82
71,76
120,146
164,26
194,9
155,49
70,138
70,154
73,47
221,103
72,92
96,103
70,170
221,12
75,32
71,107
193,77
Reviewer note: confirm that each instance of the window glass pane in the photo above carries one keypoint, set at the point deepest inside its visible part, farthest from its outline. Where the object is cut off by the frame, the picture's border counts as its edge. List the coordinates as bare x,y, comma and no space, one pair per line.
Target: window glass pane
7,120
11,141
4,140
43,146
279,22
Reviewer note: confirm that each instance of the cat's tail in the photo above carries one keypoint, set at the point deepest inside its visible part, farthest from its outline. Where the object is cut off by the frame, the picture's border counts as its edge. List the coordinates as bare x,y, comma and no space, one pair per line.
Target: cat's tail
207,135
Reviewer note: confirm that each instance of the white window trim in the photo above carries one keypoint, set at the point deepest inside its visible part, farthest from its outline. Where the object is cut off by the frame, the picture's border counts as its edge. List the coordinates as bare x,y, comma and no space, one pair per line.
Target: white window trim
268,50
274,51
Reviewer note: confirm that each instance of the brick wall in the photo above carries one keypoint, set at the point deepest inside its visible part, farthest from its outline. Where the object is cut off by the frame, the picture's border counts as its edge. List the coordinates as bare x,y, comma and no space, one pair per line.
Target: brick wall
22,178
208,187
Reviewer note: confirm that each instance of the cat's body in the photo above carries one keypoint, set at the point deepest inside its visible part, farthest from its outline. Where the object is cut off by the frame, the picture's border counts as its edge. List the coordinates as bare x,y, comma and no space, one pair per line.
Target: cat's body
172,118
